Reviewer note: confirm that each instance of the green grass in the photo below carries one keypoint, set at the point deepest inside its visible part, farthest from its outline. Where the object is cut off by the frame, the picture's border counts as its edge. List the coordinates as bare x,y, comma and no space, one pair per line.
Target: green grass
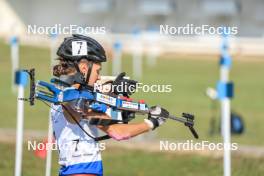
189,79
119,162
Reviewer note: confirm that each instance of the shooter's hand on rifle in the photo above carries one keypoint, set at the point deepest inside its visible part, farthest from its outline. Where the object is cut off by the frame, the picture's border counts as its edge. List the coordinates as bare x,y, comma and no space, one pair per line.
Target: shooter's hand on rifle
124,86
157,116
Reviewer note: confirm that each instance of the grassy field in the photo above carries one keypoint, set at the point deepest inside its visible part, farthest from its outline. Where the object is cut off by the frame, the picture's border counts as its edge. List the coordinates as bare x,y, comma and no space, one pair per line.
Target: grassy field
189,79
119,162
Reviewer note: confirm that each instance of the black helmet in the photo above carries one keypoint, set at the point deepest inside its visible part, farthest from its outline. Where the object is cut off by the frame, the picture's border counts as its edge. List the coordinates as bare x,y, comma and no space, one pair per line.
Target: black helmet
80,47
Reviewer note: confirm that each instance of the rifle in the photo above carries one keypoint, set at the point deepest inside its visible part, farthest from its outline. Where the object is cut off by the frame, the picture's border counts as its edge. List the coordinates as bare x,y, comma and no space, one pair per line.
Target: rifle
59,92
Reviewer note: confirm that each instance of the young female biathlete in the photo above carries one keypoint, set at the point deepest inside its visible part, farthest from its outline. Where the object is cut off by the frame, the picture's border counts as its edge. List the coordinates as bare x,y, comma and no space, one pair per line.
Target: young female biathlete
80,59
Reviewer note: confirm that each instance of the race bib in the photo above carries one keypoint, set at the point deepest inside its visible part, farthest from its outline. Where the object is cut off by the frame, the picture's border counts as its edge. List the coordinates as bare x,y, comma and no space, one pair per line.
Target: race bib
79,48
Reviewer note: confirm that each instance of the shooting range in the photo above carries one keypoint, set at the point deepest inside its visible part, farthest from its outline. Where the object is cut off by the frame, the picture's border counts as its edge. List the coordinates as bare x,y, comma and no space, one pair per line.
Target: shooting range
202,61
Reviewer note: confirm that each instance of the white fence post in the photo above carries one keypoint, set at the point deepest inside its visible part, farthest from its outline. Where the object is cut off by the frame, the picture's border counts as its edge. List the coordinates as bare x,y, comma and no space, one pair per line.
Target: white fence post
21,81
14,60
117,58
225,93
137,56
